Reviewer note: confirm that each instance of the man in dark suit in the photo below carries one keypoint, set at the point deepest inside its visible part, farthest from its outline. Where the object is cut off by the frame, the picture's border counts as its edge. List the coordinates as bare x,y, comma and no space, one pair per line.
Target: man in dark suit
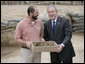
59,30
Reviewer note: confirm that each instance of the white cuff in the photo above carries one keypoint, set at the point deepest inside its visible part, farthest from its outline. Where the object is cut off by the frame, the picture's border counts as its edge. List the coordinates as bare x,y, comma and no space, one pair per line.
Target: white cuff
63,45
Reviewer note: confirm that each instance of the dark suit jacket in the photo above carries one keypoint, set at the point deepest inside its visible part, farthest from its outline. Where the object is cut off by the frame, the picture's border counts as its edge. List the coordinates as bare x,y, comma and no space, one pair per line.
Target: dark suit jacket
63,34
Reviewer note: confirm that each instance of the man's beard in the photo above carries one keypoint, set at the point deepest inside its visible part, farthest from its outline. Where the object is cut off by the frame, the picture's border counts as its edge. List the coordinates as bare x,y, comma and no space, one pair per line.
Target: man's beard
35,17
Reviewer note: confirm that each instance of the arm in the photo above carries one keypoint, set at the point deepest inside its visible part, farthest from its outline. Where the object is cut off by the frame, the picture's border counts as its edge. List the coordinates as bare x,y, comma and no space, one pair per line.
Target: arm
42,32
46,36
67,32
18,35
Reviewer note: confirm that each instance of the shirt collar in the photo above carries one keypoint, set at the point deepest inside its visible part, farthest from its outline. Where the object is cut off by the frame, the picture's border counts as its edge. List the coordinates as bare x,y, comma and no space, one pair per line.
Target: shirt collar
55,19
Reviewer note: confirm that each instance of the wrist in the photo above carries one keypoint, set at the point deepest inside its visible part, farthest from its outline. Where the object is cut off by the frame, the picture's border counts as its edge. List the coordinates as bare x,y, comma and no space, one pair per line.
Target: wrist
63,45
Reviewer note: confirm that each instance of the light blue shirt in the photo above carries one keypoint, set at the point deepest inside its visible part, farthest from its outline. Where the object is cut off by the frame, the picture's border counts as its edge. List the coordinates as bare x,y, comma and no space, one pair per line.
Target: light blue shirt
53,21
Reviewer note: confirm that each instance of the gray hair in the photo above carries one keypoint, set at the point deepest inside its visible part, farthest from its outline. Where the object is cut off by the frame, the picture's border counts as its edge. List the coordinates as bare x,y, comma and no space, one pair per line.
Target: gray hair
52,6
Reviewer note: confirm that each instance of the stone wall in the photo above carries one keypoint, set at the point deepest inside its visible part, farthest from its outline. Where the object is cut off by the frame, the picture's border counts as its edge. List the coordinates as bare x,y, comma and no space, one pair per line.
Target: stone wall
8,31
77,22
8,27
42,2
11,15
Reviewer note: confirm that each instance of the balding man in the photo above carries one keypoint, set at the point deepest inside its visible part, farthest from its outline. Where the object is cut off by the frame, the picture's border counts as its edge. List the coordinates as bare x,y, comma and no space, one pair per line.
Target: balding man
27,31
59,30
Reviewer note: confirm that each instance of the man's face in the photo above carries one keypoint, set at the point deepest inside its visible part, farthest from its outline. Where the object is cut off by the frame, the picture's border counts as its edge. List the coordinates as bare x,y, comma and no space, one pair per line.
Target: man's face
52,13
35,14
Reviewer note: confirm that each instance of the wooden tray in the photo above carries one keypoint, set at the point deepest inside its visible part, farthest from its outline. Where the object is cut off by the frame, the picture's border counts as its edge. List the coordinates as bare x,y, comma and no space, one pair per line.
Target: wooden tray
47,46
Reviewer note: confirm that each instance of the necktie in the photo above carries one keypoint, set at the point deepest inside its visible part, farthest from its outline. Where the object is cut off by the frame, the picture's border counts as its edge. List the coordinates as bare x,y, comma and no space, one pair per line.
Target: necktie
54,27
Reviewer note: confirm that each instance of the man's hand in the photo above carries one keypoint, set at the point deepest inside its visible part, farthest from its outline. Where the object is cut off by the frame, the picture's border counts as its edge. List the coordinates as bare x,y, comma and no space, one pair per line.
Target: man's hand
42,40
60,47
28,44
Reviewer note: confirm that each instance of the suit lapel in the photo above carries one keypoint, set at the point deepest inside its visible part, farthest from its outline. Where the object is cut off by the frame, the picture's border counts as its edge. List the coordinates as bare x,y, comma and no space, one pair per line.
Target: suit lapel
50,28
57,25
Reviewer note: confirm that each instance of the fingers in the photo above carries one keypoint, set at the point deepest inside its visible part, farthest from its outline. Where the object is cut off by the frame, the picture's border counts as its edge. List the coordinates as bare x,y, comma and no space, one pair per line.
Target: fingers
42,40
59,49
29,44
